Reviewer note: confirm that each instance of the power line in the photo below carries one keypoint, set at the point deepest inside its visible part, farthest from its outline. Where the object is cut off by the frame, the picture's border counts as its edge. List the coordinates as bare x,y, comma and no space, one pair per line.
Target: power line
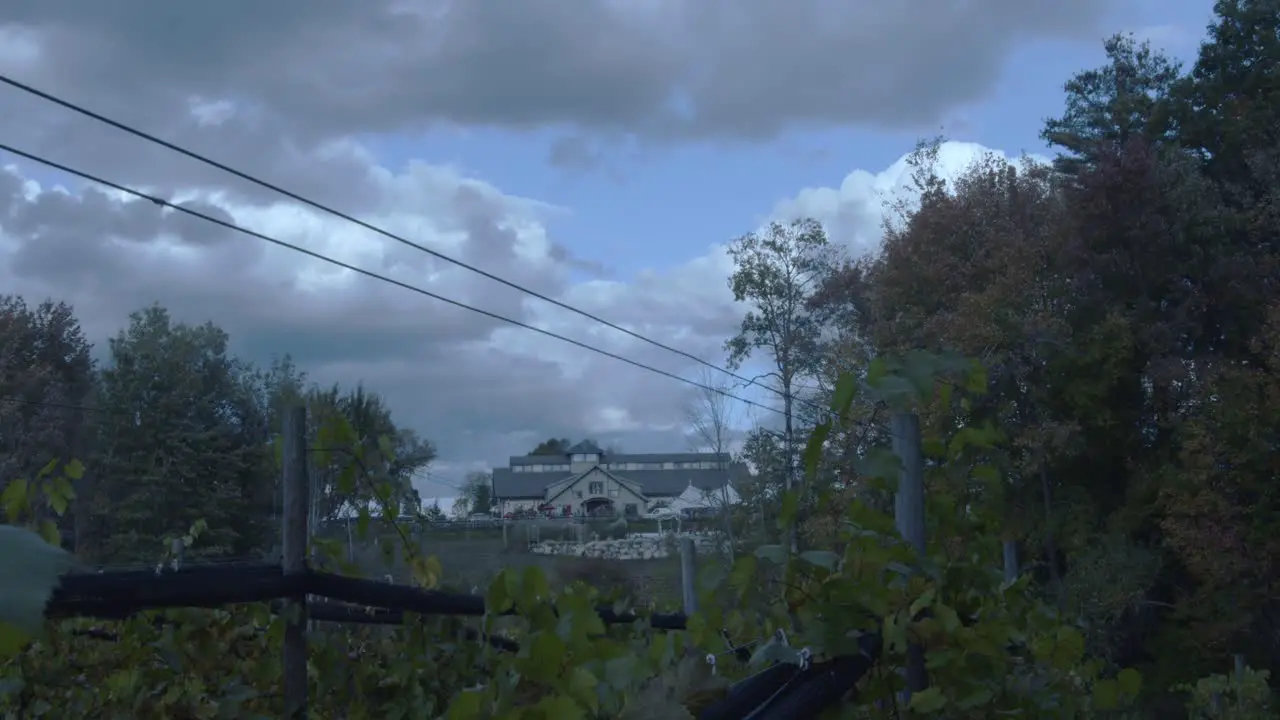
49,404
369,273
81,110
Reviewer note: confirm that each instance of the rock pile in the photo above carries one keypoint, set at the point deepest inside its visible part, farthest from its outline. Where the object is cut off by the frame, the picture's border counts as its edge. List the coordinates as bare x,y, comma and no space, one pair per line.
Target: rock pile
635,547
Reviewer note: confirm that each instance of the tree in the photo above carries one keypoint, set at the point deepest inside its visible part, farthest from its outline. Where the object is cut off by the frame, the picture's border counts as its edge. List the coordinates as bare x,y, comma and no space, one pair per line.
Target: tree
776,272
477,488
711,416
552,446
1125,311
432,513
461,508
1121,101
46,383
368,422
1227,108
765,458
1228,115
181,442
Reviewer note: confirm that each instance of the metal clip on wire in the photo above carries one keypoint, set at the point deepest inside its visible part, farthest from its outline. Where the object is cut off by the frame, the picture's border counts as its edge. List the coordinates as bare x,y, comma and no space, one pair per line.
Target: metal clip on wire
805,657
711,660
741,652
781,637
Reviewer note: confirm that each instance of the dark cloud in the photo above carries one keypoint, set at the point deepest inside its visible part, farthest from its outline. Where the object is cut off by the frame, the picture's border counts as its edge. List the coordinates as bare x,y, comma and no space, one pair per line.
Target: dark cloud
315,70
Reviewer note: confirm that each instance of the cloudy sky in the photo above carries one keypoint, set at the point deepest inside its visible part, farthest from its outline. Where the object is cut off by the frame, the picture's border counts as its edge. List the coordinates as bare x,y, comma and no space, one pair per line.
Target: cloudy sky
596,151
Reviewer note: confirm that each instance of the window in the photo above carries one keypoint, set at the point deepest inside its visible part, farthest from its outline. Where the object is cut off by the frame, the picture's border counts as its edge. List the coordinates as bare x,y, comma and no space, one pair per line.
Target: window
577,494
630,510
613,493
669,466
595,487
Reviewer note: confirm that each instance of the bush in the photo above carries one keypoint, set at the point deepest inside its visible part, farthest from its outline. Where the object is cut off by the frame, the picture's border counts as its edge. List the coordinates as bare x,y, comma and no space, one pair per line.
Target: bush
608,529
520,534
992,649
1244,696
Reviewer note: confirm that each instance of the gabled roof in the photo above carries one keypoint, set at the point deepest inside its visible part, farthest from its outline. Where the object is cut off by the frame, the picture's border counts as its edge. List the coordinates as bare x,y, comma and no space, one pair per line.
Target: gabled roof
563,487
586,447
622,457
510,485
698,498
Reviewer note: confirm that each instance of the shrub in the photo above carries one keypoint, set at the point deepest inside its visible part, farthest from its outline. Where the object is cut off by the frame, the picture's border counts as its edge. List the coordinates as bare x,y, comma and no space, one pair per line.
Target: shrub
1238,696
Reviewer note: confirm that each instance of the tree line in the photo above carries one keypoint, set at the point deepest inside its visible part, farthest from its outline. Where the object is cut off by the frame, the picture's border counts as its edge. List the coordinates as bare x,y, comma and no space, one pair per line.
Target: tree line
1124,301
171,428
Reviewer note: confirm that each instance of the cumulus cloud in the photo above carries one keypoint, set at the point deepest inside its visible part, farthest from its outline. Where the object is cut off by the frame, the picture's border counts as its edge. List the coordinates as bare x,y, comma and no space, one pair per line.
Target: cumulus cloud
854,213
478,387
295,91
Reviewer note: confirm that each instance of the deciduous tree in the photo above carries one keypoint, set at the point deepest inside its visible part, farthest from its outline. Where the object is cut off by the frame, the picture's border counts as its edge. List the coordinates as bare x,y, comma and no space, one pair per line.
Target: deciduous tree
776,272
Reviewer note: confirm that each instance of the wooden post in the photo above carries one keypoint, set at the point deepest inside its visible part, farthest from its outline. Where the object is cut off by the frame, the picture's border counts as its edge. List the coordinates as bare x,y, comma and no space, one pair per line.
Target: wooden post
689,575
293,545
176,550
1010,548
908,515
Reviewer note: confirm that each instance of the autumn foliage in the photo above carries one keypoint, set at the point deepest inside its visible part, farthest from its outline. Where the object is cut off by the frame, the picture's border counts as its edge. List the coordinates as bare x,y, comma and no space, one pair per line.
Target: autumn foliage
1126,302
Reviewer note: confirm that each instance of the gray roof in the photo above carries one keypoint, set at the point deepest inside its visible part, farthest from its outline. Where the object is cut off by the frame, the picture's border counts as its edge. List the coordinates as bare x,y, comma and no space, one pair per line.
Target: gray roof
585,447
530,485
620,457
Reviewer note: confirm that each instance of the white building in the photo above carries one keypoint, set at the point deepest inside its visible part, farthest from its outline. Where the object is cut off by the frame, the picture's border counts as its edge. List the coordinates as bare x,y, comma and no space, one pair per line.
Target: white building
587,481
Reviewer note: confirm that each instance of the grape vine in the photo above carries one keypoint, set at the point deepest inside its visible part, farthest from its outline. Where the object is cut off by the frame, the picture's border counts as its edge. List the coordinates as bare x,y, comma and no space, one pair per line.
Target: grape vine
992,648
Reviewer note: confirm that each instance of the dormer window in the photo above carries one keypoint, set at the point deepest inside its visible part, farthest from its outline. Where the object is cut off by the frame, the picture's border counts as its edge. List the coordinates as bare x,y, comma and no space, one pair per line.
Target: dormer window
585,452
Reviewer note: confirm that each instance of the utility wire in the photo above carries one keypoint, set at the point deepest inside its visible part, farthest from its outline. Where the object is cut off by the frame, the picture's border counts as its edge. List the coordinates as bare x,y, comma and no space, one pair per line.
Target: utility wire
49,404
67,104
369,273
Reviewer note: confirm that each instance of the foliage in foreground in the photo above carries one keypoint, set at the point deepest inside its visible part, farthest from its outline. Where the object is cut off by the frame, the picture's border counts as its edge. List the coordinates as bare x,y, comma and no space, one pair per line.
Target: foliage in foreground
991,648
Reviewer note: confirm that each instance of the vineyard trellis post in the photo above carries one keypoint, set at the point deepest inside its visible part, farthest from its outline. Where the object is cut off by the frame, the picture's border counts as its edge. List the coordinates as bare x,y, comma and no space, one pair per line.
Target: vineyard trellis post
293,544
688,575
908,515
1010,550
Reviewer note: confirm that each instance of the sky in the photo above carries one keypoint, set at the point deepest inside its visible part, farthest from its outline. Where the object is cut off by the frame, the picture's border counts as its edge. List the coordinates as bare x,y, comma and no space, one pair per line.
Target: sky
599,152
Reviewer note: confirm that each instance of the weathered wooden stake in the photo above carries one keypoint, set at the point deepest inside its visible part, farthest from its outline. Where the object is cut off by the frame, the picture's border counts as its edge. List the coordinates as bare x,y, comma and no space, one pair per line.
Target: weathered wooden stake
176,550
689,575
908,515
293,544
1010,548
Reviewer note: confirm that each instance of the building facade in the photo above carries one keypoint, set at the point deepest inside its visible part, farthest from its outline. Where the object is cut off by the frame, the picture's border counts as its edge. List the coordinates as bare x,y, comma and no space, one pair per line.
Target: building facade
587,481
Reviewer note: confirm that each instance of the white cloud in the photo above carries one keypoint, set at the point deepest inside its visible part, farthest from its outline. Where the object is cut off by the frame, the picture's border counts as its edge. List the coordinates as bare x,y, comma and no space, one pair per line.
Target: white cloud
854,212
480,389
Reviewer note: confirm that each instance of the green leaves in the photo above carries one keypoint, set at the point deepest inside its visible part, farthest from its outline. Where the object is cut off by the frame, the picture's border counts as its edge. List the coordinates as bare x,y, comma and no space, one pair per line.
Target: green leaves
930,700
775,554
14,499
825,559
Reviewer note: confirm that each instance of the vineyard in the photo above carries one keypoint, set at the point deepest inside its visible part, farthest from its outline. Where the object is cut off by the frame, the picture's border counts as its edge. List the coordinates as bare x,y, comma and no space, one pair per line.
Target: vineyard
861,622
